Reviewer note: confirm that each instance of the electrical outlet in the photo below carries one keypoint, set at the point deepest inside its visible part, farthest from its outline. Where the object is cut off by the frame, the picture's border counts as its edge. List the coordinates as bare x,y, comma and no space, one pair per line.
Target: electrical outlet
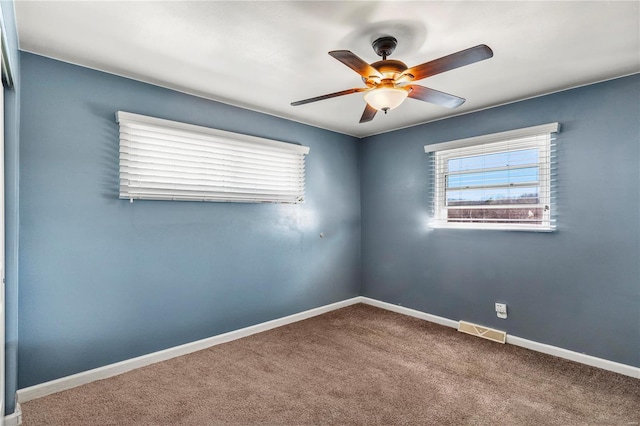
501,310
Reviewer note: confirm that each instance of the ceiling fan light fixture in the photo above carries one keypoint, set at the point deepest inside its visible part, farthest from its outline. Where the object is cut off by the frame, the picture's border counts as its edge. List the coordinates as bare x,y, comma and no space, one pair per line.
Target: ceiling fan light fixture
385,98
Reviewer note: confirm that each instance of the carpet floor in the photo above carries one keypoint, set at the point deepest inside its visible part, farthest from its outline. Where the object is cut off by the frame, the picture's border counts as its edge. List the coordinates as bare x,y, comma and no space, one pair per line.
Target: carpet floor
359,365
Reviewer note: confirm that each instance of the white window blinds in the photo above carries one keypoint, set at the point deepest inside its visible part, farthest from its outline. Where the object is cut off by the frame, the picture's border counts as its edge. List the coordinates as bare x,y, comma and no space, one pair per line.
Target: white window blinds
499,181
168,160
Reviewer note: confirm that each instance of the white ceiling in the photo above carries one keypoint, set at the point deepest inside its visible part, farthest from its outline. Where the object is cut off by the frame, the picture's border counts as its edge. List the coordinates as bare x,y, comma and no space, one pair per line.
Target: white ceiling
265,55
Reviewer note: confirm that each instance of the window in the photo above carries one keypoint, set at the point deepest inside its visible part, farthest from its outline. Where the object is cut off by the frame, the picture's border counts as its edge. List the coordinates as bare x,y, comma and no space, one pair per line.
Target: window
167,160
499,181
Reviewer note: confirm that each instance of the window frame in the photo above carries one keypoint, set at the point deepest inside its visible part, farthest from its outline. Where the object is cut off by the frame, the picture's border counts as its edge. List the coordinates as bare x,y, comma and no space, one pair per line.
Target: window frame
537,137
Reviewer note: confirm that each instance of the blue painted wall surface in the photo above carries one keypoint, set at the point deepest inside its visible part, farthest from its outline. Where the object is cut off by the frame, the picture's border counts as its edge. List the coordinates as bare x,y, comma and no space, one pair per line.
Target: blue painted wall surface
11,181
578,288
103,280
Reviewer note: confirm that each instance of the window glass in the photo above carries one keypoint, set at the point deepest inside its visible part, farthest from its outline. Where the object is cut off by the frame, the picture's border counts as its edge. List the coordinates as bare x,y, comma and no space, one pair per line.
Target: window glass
498,185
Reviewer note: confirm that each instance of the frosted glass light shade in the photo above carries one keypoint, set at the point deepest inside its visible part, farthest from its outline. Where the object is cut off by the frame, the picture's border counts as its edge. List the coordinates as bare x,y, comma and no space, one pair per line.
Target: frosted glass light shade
385,98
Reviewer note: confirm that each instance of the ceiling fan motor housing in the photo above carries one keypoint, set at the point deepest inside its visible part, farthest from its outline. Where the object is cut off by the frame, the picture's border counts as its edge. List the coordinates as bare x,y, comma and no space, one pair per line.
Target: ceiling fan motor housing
390,68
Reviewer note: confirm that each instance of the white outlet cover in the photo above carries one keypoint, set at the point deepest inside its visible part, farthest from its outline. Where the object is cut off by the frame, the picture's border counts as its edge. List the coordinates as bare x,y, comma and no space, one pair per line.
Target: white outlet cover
501,310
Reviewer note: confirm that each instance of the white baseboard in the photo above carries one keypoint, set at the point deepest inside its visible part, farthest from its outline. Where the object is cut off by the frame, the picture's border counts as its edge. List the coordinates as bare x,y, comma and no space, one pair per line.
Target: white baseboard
593,361
410,312
14,419
64,383
68,382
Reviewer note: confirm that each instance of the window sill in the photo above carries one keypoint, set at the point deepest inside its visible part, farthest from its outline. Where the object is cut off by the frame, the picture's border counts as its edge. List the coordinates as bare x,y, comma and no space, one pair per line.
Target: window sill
489,227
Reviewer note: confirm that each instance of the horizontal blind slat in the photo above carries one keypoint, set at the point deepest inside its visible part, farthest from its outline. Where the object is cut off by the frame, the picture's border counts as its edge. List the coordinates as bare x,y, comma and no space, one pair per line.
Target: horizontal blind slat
151,174
167,181
237,193
187,144
150,150
166,160
126,118
203,189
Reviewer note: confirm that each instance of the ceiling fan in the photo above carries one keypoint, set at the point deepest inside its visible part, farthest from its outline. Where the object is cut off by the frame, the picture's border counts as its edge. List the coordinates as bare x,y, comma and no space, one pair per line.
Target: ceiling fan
389,82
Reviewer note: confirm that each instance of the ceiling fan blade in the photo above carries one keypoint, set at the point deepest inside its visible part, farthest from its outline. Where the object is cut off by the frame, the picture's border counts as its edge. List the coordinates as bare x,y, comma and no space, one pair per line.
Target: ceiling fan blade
368,114
329,96
425,94
449,62
355,63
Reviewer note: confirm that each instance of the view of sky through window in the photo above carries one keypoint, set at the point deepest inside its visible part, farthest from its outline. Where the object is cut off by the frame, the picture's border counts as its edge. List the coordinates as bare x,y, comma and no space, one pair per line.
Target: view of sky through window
501,178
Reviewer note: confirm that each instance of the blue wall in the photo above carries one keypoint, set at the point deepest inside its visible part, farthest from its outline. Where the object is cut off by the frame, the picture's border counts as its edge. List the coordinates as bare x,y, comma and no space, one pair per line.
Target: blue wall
577,288
11,181
102,280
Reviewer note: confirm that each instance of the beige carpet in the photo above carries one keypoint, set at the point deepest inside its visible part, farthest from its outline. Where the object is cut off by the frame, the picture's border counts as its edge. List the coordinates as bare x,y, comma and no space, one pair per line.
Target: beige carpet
359,365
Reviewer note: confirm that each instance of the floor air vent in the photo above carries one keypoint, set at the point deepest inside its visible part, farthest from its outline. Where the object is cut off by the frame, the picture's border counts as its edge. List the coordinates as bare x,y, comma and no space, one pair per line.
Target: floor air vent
484,332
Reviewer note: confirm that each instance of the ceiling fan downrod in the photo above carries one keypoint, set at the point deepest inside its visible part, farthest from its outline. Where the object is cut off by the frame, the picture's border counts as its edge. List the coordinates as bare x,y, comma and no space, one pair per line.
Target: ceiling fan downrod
384,46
